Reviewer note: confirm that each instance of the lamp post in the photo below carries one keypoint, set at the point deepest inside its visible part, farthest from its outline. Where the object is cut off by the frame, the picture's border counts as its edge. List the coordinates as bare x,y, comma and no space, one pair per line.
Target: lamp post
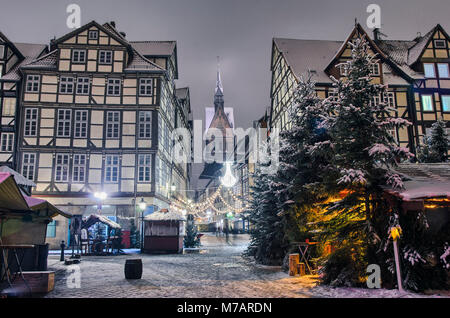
142,206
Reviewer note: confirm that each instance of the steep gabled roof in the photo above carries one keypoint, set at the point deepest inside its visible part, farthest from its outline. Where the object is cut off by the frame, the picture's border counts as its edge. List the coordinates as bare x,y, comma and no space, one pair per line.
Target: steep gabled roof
141,64
416,51
11,44
154,48
29,52
48,61
107,28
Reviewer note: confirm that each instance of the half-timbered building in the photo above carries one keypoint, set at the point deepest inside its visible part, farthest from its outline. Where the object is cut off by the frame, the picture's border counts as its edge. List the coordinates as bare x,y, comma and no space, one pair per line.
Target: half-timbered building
12,56
96,115
416,73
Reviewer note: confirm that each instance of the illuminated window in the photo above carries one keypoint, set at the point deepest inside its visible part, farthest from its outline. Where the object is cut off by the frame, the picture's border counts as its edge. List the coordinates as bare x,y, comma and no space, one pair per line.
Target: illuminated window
429,70
446,103
51,229
375,69
427,103
443,70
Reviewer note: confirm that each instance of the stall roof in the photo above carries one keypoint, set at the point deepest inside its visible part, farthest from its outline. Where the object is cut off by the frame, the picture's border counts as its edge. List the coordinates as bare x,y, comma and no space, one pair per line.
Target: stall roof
20,179
95,218
164,216
422,181
12,199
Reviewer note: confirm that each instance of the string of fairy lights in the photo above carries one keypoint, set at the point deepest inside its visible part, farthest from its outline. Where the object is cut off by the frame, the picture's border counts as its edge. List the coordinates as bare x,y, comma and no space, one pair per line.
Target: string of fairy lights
198,208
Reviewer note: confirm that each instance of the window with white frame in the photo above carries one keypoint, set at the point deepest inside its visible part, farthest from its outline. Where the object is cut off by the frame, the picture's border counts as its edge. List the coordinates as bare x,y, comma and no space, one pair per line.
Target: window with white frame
78,56
2,51
7,142
145,119
113,87
83,85
112,124
427,103
105,57
111,168
9,106
66,85
64,123
443,70
375,69
144,167
79,168
93,35
62,168
429,70
389,99
81,122
30,122
393,133
1,70
28,165
146,87
440,44
33,82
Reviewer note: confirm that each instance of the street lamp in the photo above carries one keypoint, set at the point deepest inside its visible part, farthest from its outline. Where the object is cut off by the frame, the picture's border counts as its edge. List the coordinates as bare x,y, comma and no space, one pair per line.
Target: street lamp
100,196
142,206
173,187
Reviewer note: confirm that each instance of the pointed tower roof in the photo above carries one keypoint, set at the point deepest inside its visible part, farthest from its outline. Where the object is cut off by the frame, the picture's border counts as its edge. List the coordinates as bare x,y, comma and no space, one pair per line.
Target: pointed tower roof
218,94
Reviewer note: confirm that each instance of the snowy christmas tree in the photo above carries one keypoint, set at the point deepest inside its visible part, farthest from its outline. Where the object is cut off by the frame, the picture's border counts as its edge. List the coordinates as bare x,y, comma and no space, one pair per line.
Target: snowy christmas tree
191,239
358,121
436,144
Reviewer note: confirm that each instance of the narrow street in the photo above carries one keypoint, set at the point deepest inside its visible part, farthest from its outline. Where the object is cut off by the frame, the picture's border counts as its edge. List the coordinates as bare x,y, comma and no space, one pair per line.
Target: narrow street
219,271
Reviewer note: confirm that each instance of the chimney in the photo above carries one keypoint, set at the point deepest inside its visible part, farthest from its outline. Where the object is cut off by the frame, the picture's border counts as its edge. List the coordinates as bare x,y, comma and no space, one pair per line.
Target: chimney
123,34
418,37
113,23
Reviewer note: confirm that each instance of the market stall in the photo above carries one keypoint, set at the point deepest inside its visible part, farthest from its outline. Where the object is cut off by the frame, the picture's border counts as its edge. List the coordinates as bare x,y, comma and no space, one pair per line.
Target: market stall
98,239
164,232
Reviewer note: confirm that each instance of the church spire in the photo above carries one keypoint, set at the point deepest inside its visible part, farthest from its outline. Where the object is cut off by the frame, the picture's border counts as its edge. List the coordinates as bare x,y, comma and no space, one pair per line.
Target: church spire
218,96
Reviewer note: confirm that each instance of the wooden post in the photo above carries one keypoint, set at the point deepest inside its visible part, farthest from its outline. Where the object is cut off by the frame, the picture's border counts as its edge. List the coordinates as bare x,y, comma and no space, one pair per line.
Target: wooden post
294,259
302,269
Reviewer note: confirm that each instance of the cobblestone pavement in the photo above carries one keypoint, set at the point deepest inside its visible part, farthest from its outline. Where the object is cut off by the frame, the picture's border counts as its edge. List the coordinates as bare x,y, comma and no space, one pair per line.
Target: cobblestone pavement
219,271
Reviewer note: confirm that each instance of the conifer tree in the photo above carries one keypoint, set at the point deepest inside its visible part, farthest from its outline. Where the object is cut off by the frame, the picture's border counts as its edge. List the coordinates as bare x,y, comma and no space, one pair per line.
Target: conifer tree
191,239
435,146
363,160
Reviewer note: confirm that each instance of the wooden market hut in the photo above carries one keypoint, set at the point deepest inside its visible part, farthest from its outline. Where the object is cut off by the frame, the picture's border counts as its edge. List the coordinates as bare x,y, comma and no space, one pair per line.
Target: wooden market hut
164,232
23,223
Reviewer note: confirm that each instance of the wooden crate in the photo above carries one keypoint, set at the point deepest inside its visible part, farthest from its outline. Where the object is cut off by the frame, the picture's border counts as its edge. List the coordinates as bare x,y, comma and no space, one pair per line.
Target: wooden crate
39,282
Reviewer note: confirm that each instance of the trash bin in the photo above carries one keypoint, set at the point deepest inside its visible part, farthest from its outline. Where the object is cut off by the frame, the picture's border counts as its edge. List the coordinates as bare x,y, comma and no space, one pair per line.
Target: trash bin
133,268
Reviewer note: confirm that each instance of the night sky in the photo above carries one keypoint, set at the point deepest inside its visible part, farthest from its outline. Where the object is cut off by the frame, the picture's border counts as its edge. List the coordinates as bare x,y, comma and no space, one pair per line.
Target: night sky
240,31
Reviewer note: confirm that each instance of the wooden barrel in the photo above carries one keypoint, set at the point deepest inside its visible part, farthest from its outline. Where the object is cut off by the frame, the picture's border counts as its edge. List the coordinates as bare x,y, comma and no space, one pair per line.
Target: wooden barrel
294,259
133,268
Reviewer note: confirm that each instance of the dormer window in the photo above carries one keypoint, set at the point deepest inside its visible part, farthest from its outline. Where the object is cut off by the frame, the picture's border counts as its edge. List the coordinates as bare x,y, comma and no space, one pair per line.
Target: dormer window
428,69
440,44
93,35
105,57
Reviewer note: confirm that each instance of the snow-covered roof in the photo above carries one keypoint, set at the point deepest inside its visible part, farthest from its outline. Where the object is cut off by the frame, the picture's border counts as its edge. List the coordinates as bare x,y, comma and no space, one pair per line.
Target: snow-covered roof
165,216
422,181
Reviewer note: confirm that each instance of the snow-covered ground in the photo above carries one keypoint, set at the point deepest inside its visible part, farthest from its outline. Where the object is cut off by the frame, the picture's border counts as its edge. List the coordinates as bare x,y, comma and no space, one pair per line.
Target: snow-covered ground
218,271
